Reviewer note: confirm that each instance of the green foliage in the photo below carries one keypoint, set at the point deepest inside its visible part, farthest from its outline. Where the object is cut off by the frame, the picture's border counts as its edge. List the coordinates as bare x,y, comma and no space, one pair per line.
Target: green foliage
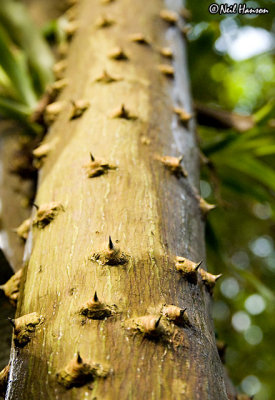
25,63
14,65
240,178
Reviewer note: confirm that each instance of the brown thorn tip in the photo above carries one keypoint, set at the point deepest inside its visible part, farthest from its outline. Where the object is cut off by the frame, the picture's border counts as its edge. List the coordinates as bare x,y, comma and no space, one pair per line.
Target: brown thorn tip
157,322
78,358
92,157
95,297
198,265
182,311
11,320
111,245
35,205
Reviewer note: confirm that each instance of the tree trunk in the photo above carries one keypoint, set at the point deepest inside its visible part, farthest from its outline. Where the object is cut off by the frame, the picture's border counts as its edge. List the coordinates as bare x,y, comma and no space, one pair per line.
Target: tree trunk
143,201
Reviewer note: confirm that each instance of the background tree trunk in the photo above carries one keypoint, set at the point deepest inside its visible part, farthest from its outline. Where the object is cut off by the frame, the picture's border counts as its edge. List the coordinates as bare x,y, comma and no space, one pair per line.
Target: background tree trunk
152,215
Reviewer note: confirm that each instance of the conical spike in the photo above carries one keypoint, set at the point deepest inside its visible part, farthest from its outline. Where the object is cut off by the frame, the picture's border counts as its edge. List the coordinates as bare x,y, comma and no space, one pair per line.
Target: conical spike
78,358
157,322
92,157
218,277
198,265
95,297
206,207
111,245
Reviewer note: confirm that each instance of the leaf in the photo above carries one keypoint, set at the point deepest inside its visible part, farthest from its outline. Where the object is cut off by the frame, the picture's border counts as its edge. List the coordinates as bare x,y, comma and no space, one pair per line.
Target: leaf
16,71
12,109
15,19
253,168
265,150
241,186
264,113
217,144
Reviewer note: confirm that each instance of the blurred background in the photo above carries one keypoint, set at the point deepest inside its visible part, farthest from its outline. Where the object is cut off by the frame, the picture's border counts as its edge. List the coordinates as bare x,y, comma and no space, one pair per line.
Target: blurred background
231,63
232,73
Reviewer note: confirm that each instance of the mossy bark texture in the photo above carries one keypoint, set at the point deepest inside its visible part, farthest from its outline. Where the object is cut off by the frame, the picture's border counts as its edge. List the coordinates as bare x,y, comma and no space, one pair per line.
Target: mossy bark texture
112,344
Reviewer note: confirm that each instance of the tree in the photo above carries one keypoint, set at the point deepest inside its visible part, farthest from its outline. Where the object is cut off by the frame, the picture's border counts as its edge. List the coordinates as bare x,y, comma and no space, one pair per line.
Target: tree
114,301
164,326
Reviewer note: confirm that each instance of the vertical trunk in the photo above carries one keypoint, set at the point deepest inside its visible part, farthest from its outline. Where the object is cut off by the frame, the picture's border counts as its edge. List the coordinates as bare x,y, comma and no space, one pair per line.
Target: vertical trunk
150,210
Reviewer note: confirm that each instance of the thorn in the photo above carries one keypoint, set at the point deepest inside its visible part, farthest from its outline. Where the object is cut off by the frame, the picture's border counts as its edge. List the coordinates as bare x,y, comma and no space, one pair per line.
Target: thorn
117,53
122,112
205,207
209,279
24,328
42,151
35,205
169,16
47,213
105,77
12,321
23,230
110,245
158,321
95,309
147,325
182,311
166,70
92,157
175,314
112,255
70,29
173,164
80,372
97,167
183,115
198,265
166,52
78,358
138,38
104,22
79,107
59,69
55,88
53,110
